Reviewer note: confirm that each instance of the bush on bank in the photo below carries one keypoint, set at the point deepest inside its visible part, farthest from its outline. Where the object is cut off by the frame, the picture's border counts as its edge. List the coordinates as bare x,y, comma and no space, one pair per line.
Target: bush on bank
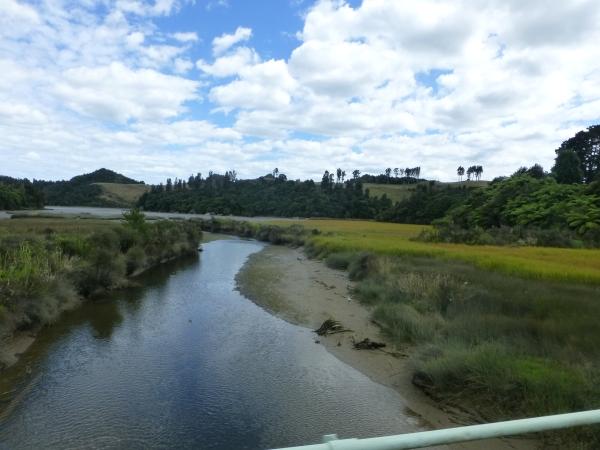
43,274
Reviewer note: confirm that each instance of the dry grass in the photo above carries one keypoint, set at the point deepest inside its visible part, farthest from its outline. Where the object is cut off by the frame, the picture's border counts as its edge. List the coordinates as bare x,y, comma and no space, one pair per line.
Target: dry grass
125,194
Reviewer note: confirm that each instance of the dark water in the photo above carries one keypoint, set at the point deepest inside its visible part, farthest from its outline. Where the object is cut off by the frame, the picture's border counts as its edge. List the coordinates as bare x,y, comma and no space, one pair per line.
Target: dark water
187,362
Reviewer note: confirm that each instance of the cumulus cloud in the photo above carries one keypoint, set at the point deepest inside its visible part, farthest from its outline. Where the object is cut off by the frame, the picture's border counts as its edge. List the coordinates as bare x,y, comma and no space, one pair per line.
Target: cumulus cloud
118,93
435,83
230,64
222,43
189,36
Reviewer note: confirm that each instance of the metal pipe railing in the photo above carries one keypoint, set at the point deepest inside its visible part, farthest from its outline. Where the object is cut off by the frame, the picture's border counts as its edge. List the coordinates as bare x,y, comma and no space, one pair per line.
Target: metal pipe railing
458,434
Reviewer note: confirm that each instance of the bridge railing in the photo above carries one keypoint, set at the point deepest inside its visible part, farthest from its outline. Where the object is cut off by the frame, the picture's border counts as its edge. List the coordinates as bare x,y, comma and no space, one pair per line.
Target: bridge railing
458,434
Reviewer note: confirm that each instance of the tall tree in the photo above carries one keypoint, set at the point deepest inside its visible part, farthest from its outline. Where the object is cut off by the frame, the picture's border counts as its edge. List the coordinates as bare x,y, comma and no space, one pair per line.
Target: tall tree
470,172
567,167
396,170
586,144
460,172
388,172
325,181
355,174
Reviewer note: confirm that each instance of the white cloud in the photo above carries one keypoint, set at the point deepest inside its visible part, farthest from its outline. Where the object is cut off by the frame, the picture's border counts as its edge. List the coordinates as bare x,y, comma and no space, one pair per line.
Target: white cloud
266,86
435,83
182,66
144,8
222,43
118,93
230,64
186,37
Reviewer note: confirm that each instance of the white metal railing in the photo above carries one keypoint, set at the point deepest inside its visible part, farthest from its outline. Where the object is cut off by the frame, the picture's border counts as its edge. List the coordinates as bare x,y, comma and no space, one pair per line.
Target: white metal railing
458,434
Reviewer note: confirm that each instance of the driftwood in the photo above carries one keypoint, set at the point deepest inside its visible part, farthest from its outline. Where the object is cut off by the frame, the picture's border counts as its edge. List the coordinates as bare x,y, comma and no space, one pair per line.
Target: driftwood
367,344
330,326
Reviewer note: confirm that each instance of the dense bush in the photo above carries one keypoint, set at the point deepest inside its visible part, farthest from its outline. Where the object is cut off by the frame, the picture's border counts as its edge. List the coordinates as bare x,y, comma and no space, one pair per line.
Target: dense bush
527,211
265,196
428,202
43,274
19,194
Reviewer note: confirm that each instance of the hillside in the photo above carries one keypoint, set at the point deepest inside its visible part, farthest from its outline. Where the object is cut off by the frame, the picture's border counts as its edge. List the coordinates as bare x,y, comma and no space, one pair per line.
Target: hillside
122,193
103,176
93,189
400,192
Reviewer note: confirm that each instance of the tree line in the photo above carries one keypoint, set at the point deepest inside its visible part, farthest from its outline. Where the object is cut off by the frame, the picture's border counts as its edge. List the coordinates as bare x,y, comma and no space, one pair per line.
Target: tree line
270,195
472,172
18,193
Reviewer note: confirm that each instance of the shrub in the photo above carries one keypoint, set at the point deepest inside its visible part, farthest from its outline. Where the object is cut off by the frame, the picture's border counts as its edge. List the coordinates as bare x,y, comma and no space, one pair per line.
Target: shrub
135,259
402,323
339,261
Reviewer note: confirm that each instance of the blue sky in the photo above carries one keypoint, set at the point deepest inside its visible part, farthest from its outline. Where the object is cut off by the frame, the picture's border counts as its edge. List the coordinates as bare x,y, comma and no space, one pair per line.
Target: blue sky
165,88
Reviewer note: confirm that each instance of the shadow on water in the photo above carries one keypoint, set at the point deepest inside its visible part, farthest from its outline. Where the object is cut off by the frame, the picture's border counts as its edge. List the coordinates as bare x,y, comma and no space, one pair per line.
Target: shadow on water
103,315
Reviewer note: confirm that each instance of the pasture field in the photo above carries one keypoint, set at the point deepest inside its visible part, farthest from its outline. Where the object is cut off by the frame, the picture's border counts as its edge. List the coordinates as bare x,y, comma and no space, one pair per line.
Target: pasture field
558,264
121,193
399,192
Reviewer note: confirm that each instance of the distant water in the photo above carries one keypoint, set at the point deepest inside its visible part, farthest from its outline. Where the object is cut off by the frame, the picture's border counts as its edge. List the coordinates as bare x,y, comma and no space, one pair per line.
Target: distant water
117,213
187,362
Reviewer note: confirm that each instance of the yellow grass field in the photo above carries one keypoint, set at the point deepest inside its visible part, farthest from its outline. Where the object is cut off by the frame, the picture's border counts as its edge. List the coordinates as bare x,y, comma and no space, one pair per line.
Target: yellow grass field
561,264
125,194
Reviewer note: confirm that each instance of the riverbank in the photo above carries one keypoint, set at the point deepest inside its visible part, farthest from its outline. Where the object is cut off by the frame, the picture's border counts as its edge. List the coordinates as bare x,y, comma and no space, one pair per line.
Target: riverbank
50,266
306,292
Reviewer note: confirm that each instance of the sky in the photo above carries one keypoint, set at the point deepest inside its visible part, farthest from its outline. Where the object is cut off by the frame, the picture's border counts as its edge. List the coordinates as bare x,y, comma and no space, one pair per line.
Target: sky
166,88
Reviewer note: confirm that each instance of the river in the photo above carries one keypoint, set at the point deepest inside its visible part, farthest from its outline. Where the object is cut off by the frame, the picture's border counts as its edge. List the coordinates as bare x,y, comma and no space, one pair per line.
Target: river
185,361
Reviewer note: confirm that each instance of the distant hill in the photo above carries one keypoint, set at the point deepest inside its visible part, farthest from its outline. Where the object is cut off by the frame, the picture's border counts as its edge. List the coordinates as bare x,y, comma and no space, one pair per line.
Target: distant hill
103,176
93,189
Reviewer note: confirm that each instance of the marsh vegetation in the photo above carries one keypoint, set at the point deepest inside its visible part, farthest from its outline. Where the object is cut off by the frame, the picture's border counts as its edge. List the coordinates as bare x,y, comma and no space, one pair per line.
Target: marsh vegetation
507,331
50,265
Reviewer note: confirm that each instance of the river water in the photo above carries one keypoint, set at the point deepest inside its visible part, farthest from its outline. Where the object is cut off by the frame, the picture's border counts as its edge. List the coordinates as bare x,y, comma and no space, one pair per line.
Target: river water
185,361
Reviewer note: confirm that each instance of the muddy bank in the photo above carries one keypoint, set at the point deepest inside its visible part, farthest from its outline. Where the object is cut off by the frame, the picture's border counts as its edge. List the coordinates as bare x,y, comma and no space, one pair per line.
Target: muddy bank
306,292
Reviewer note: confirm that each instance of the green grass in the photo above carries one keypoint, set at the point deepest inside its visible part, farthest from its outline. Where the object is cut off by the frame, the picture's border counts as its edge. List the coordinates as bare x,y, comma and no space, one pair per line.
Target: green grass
399,192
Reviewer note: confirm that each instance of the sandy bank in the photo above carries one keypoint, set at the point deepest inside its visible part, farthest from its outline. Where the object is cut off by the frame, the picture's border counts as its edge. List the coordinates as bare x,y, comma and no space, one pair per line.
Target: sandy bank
306,292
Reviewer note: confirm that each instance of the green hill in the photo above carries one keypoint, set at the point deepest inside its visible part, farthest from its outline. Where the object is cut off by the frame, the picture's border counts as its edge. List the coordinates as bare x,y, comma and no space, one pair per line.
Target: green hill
103,176
102,187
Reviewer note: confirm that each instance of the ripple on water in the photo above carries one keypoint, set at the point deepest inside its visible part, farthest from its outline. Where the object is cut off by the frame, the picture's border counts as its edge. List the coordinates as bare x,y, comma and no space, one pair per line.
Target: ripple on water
187,362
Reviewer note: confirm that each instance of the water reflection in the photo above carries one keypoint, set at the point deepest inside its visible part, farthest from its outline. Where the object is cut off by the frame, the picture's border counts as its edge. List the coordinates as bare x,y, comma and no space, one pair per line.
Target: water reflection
184,361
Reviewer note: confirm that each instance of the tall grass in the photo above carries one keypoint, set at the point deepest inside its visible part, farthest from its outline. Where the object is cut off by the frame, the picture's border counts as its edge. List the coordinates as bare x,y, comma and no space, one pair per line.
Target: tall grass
561,264
510,331
504,345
